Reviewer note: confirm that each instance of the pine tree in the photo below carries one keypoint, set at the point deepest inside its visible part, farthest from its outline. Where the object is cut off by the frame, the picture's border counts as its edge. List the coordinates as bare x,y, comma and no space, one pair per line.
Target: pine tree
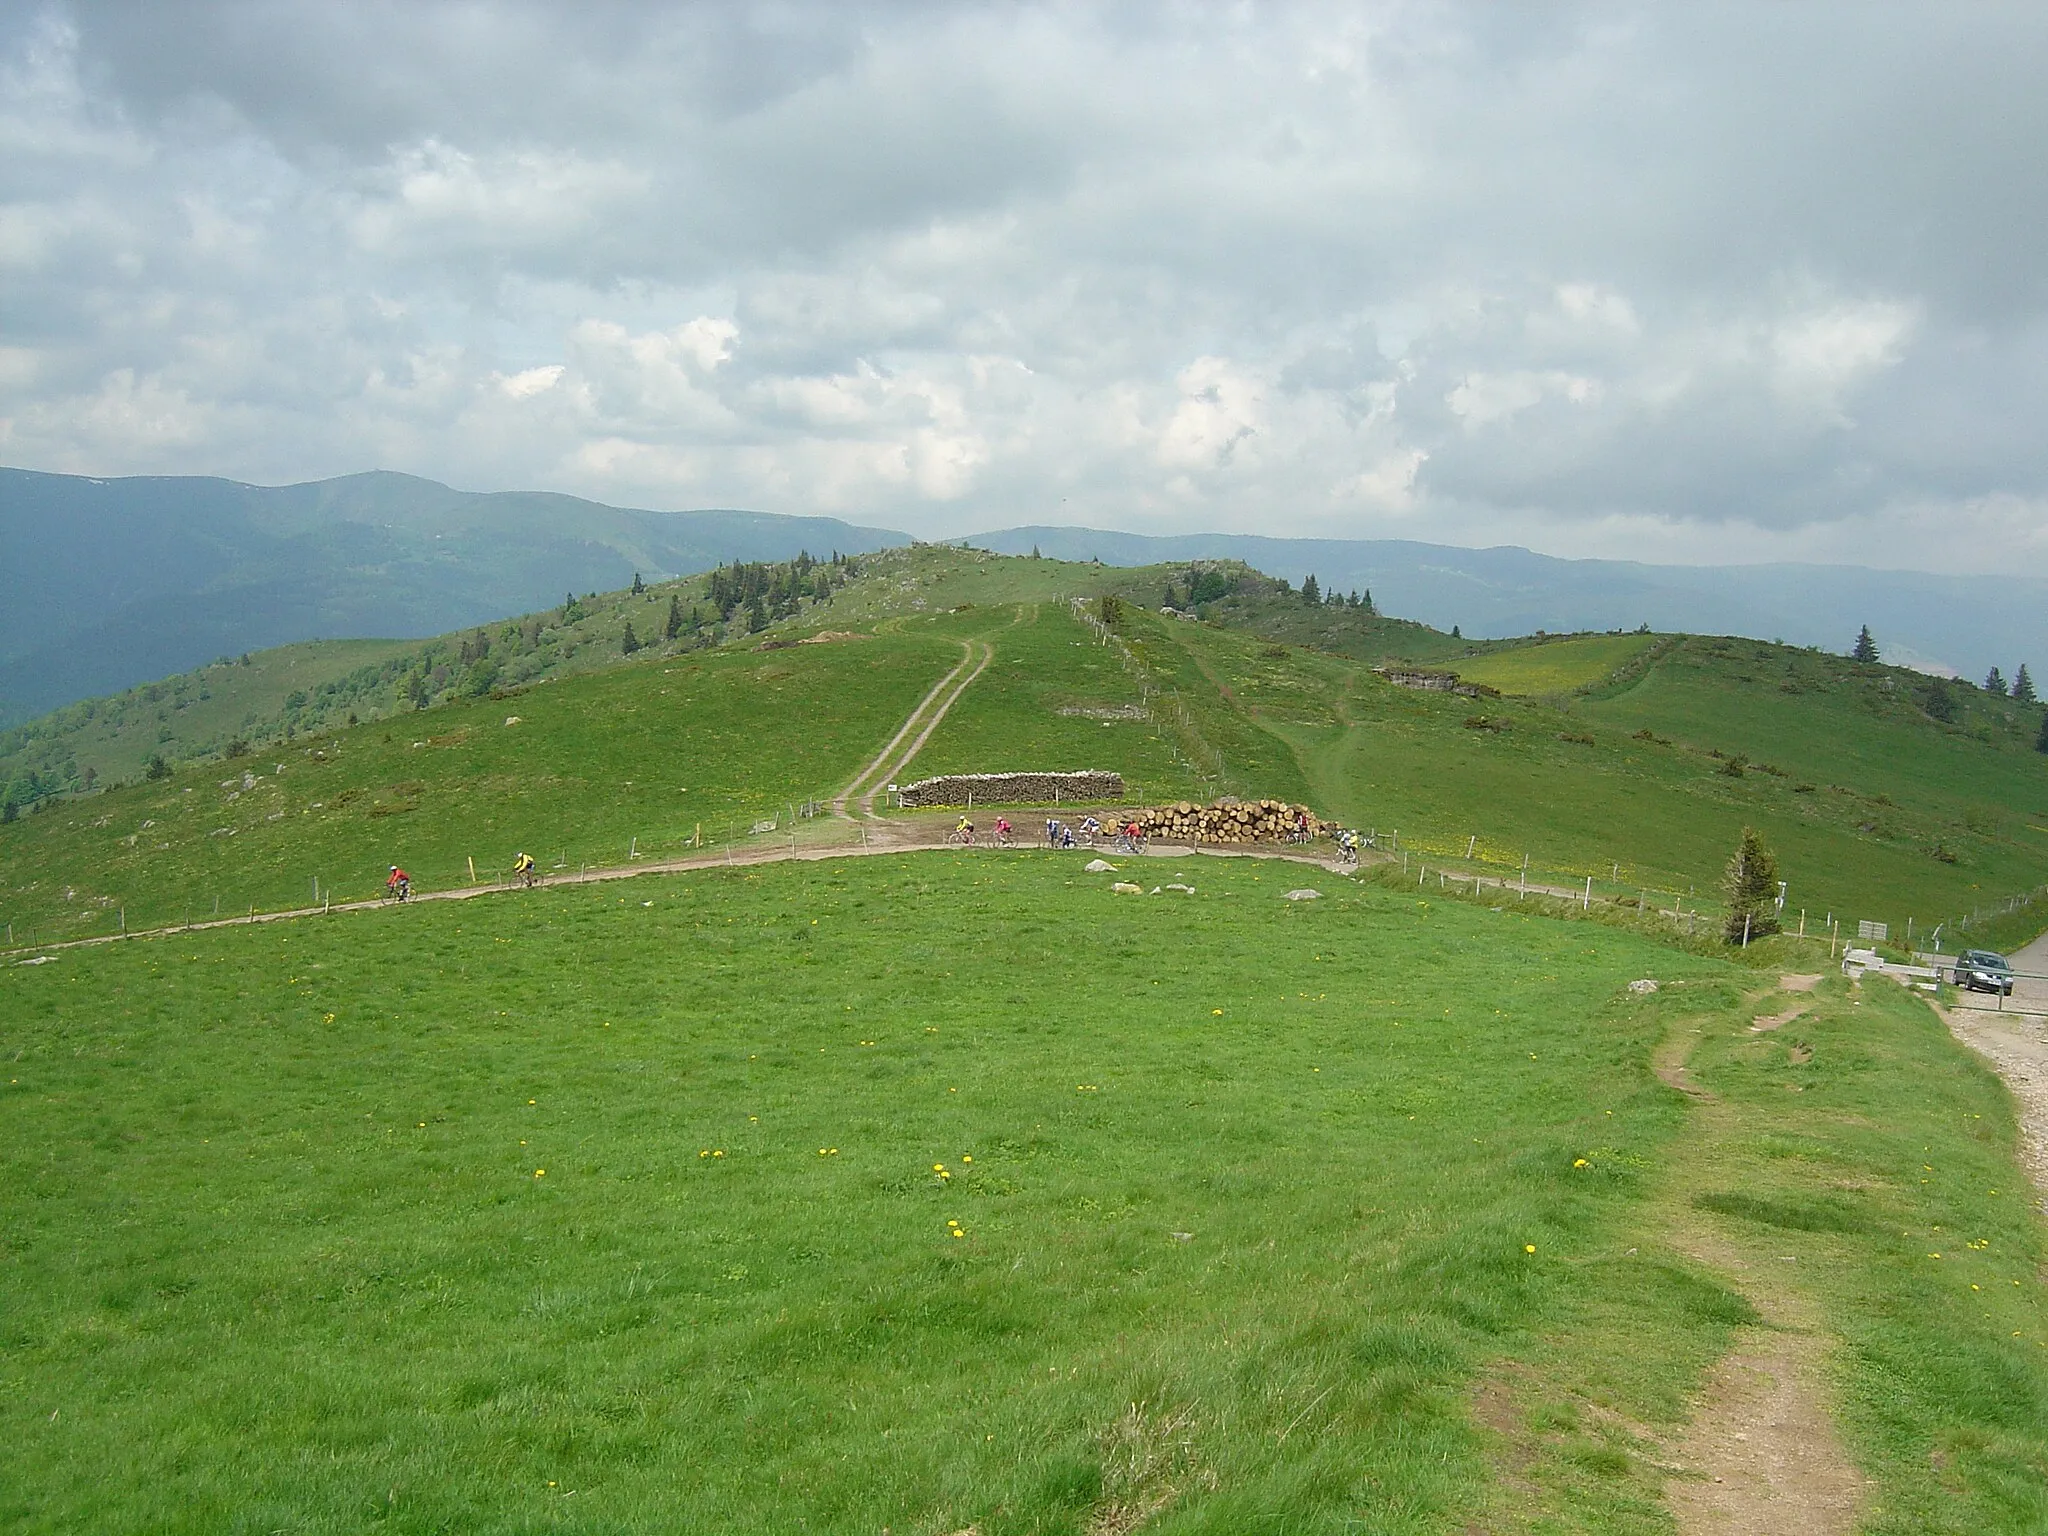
674,626
2041,741
1366,604
2023,686
757,616
1310,592
158,768
1172,597
1866,648
1752,886
639,586
1995,682
629,642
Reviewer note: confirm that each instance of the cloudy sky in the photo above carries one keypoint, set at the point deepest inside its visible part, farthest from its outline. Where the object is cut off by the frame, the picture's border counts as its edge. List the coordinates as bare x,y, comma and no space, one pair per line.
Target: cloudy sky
1701,283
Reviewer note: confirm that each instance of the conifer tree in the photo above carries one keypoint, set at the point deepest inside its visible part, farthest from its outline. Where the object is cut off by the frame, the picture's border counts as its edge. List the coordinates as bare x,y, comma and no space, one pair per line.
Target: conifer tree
757,616
1995,682
2023,686
674,626
1752,886
629,642
1866,648
2041,741
1310,592
639,586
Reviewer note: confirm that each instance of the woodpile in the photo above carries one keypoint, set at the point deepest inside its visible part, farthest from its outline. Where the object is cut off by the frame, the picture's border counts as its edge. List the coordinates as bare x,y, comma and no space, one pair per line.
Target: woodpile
1085,787
1231,821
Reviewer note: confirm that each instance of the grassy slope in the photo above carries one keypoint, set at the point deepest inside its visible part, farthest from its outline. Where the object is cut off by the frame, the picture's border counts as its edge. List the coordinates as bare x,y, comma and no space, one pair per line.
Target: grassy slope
116,736
1552,666
1664,810
1892,792
290,1179
646,751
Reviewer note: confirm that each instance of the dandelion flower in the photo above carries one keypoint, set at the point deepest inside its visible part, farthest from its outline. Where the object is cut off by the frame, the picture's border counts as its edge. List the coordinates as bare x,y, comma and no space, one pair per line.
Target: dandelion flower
966,1159
1580,1162
1218,1012
1528,1247
958,1233
938,1167
540,1173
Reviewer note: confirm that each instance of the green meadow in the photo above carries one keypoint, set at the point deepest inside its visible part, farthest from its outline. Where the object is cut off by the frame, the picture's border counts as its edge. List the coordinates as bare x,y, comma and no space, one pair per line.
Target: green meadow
941,1191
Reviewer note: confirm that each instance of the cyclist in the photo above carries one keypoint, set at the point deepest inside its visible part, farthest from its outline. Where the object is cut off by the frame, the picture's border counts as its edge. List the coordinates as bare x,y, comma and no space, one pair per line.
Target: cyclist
965,832
398,883
1090,830
523,868
1347,846
1053,829
1002,831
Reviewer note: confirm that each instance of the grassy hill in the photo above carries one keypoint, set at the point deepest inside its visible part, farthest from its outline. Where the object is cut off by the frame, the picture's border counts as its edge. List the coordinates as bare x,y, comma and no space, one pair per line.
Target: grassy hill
1631,760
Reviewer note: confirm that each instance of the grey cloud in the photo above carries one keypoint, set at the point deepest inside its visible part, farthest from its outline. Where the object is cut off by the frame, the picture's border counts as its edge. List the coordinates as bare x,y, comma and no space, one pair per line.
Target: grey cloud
1693,277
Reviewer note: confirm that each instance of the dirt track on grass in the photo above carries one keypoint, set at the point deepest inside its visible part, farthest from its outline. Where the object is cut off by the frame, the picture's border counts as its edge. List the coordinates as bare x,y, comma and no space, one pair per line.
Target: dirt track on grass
1760,1455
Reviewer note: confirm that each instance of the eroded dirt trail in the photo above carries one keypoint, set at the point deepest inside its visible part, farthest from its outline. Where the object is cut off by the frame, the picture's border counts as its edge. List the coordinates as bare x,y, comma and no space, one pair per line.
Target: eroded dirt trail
1761,1456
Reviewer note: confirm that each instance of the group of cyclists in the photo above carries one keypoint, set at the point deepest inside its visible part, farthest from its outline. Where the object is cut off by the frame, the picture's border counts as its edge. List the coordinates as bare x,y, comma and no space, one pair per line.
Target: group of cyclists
1129,837
1087,833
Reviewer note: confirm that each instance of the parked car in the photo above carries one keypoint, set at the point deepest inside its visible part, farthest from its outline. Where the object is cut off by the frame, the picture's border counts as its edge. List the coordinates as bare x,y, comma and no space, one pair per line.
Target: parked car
1979,970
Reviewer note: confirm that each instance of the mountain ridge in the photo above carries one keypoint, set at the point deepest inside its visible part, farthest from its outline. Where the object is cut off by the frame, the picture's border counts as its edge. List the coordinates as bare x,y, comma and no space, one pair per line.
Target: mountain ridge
1969,623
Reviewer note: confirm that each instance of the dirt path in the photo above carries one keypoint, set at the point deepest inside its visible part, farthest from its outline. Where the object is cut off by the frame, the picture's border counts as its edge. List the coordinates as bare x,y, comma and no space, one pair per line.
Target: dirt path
886,764
1760,1455
876,836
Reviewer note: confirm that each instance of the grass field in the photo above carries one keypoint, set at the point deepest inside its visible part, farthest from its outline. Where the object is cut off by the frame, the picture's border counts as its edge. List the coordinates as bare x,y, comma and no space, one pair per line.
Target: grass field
1553,666
934,1191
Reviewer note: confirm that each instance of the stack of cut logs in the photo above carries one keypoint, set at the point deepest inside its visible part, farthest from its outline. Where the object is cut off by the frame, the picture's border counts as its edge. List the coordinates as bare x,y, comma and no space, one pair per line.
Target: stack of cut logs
1250,821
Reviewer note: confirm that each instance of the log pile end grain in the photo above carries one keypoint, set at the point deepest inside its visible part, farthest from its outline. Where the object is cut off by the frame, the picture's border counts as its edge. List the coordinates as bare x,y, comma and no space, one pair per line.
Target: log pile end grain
1230,821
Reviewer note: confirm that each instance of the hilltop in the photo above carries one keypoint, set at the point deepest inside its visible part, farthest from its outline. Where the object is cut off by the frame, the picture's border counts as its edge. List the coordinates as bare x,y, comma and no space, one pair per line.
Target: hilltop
1971,623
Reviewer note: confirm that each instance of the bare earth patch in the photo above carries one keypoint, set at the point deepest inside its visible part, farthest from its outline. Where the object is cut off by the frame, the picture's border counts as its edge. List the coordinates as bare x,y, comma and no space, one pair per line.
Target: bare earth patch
1767,1022
1760,1457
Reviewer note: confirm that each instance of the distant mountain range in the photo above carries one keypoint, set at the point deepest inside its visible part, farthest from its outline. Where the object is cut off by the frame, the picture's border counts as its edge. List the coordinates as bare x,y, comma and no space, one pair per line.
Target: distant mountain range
120,581
116,582
1960,624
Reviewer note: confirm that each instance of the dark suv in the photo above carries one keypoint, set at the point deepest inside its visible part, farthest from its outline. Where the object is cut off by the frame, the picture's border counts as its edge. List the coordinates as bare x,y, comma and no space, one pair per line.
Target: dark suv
1979,970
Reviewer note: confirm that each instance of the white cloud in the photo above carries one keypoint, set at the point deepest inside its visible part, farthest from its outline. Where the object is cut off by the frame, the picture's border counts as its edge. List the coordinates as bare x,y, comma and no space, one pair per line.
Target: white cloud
1650,280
